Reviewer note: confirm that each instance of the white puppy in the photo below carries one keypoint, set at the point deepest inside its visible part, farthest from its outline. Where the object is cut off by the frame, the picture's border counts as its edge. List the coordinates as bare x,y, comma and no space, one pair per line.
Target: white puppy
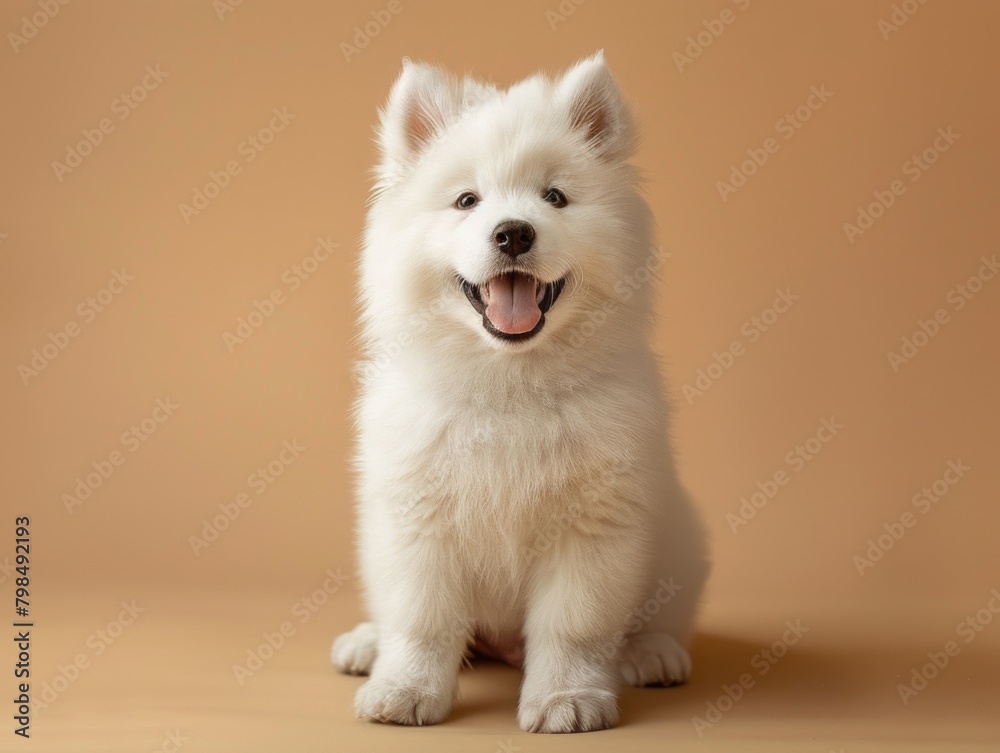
517,491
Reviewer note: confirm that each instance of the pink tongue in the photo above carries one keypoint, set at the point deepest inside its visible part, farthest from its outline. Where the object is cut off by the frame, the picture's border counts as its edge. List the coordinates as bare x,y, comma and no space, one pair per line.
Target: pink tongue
512,308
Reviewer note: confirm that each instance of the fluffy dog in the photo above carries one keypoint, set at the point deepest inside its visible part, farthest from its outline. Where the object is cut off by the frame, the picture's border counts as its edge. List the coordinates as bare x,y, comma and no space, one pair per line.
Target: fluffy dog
516,488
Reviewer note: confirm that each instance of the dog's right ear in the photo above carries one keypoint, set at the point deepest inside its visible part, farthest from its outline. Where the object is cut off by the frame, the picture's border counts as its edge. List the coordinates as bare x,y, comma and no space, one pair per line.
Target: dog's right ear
422,102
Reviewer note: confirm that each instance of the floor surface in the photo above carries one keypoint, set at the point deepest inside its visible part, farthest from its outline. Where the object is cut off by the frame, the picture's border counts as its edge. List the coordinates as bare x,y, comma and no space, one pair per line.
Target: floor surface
201,689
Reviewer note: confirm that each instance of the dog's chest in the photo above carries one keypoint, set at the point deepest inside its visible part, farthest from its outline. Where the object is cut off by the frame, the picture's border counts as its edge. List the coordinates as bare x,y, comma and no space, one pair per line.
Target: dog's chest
512,458
495,464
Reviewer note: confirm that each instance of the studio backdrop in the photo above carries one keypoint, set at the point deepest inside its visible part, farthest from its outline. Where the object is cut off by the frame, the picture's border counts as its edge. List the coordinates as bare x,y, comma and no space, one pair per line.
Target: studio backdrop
182,192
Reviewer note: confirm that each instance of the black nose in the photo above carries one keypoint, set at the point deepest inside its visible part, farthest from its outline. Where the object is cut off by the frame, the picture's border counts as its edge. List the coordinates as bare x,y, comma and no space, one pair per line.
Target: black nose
513,237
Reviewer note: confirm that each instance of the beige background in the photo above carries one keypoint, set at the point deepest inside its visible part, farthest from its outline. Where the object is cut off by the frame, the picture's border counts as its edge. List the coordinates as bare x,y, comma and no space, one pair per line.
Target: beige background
163,336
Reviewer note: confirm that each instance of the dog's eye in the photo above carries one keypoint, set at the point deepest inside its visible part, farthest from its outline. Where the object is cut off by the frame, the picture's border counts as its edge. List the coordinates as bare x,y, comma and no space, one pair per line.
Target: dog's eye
556,198
467,200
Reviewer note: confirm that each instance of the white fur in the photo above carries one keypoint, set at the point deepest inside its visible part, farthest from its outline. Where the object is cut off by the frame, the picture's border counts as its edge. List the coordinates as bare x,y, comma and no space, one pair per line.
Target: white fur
514,489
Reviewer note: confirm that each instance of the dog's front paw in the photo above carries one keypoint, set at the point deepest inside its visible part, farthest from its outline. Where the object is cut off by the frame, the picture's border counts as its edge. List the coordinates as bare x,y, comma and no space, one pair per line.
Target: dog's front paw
399,703
654,659
354,652
569,711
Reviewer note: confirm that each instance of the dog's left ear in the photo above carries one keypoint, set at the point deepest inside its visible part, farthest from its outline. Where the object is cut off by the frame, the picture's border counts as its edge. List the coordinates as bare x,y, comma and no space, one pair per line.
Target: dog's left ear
596,106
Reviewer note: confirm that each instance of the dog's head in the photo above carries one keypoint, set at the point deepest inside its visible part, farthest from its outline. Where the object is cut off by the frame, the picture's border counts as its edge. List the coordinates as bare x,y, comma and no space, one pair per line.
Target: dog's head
510,214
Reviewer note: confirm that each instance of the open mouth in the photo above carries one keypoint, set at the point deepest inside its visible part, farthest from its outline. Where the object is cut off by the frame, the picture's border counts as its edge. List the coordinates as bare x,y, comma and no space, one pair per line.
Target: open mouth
514,304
